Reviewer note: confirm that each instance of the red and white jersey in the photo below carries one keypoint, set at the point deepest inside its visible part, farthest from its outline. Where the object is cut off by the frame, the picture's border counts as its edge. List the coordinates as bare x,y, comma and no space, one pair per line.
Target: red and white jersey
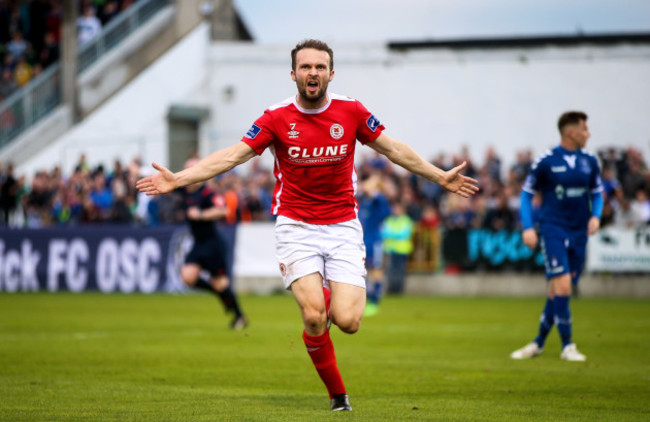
314,156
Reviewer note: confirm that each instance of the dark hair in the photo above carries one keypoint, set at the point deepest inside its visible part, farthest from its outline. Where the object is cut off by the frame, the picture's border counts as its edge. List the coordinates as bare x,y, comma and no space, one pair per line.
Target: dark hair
570,118
315,44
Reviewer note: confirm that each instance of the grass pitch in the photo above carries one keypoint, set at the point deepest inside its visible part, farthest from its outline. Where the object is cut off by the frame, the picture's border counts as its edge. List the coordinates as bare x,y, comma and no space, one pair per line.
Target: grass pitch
93,357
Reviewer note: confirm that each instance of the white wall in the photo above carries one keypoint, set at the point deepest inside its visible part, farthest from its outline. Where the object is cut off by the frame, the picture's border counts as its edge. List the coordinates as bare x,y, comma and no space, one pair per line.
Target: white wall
435,100
440,100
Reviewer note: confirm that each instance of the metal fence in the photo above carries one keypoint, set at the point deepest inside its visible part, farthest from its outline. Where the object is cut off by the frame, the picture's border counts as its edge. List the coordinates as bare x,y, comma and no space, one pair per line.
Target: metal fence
117,30
43,94
31,103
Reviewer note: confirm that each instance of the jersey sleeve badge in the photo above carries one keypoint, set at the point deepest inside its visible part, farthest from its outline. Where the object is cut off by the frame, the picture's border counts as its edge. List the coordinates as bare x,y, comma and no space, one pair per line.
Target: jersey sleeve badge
373,123
253,131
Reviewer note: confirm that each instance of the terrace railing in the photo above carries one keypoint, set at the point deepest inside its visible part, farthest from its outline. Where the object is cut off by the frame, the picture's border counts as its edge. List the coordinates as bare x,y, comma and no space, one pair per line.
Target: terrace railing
43,93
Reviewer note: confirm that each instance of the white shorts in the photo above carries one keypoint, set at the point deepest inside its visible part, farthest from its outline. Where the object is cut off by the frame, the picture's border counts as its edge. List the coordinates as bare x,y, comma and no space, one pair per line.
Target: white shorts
336,251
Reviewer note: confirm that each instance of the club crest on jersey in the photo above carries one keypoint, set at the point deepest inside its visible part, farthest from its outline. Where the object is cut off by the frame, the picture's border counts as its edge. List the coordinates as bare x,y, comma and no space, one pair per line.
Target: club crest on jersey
293,133
336,131
253,132
373,123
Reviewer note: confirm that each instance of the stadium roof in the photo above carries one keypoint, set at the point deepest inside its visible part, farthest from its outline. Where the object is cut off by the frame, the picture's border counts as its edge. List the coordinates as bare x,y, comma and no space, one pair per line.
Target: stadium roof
530,42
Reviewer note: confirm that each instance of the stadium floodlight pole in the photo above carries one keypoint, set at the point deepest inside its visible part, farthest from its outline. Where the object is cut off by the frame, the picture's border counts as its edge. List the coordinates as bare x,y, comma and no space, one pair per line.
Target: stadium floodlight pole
69,59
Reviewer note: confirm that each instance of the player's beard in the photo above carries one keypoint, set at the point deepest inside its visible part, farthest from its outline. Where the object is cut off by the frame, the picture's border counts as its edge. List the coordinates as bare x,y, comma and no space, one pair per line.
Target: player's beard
316,97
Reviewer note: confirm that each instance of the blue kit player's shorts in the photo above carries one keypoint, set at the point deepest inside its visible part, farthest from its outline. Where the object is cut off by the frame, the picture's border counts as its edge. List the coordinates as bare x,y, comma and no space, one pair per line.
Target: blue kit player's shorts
374,254
210,255
564,252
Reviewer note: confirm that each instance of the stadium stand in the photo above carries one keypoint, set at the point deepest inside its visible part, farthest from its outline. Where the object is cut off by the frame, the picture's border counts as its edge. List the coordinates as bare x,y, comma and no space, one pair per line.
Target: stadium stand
104,194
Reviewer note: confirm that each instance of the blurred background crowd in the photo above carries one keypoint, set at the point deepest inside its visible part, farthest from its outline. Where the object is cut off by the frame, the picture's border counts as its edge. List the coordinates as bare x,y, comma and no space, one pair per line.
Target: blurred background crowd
106,194
30,35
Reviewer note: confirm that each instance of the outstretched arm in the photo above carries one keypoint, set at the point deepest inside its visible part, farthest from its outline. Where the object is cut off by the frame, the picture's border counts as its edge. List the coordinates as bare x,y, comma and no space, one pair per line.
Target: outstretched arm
208,214
528,233
597,204
213,165
404,156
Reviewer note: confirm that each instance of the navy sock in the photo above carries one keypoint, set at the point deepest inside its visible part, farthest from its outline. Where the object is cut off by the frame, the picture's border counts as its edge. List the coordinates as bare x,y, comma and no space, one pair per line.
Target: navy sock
545,323
227,296
562,315
230,301
374,292
204,284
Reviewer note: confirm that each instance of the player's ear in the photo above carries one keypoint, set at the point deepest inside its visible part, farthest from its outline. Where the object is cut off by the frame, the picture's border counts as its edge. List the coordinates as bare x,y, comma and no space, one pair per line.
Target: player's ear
293,75
331,75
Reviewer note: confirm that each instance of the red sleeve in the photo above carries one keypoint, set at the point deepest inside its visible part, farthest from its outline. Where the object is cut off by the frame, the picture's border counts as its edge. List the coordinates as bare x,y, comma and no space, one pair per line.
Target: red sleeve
260,136
369,127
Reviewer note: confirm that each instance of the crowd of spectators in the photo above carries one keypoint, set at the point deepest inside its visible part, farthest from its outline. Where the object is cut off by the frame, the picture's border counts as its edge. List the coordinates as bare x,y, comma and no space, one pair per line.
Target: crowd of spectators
625,174
30,35
107,195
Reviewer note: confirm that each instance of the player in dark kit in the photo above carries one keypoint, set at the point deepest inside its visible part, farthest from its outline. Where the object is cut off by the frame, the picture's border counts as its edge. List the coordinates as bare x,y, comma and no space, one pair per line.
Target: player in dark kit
203,207
568,179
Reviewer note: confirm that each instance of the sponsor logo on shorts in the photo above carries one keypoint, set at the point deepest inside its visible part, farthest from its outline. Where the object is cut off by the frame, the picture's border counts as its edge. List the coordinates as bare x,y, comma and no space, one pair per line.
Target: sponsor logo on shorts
556,270
283,270
555,266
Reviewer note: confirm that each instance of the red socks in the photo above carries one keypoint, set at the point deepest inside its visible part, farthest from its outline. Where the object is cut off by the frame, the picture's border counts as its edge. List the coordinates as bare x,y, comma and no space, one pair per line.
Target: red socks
321,351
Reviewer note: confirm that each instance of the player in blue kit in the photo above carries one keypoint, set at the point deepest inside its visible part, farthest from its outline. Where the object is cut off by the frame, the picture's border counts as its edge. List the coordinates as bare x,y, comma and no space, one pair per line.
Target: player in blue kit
568,179
208,255
373,210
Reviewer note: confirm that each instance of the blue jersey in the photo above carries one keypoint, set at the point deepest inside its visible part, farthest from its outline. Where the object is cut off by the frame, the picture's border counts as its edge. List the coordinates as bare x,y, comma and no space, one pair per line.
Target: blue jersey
566,180
373,210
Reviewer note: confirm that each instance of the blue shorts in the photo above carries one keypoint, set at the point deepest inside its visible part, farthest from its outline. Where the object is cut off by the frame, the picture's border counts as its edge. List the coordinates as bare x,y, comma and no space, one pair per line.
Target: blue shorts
374,254
564,252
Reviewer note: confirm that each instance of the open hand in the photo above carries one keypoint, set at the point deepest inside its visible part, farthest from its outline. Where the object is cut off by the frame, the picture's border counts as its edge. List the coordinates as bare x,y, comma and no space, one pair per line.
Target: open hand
593,225
159,183
455,182
529,237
